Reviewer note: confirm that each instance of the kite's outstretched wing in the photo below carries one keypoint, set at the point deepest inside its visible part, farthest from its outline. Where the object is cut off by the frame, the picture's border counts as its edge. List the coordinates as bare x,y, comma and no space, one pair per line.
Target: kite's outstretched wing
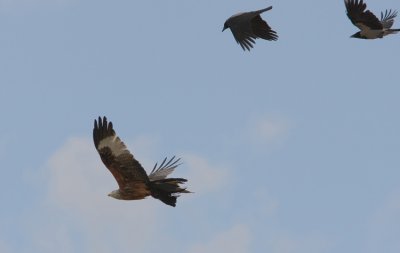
164,169
387,19
115,156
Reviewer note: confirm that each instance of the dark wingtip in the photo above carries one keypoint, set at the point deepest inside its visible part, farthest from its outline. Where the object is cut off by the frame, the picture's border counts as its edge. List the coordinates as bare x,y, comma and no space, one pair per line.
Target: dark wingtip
100,129
265,9
104,121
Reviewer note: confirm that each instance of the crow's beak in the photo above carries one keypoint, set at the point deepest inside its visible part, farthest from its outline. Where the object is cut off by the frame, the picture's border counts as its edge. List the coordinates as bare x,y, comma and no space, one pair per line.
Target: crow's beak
223,29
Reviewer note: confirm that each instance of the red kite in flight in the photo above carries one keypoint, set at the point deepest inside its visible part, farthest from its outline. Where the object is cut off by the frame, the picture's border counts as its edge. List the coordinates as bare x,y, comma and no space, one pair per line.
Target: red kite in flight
132,179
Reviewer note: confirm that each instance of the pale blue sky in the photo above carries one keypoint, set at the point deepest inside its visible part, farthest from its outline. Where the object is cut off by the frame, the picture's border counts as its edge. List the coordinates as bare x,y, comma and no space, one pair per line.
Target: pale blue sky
290,148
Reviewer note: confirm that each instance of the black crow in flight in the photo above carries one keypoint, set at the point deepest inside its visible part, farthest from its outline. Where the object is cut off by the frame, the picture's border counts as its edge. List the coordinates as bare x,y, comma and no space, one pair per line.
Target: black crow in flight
248,26
370,26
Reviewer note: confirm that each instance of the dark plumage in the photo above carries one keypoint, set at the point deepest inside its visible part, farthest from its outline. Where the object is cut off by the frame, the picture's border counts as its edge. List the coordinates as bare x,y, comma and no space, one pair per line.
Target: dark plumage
246,27
370,26
131,177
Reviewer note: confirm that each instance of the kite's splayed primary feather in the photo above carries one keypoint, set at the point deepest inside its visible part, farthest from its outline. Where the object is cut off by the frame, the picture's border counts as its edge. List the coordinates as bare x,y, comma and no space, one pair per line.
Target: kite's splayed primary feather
164,169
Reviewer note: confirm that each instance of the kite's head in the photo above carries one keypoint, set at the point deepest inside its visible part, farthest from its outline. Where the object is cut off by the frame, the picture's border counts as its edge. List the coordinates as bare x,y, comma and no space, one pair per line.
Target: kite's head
115,194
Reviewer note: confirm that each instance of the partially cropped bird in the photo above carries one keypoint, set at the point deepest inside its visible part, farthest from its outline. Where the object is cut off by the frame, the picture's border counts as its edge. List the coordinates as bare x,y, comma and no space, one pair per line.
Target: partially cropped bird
370,26
131,177
246,27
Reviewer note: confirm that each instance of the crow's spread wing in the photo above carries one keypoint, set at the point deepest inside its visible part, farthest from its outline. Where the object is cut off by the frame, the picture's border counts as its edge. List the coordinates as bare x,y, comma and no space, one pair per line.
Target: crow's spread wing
243,34
262,30
115,156
360,17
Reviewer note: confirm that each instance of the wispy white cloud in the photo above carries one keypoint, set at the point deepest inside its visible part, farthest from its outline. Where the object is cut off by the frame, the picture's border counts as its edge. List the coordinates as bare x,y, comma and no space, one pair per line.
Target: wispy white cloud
144,147
270,130
78,185
78,216
205,177
235,240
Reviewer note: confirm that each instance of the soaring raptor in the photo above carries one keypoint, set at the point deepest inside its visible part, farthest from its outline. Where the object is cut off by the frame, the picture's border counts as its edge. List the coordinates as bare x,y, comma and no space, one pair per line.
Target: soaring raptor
370,26
132,179
246,27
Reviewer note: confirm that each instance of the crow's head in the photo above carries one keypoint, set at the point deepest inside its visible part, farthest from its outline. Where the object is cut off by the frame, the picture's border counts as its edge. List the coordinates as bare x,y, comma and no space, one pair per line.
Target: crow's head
357,35
226,25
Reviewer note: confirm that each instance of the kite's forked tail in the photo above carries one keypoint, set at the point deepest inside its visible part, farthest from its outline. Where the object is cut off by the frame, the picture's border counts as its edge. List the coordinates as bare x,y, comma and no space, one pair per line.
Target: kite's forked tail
168,189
